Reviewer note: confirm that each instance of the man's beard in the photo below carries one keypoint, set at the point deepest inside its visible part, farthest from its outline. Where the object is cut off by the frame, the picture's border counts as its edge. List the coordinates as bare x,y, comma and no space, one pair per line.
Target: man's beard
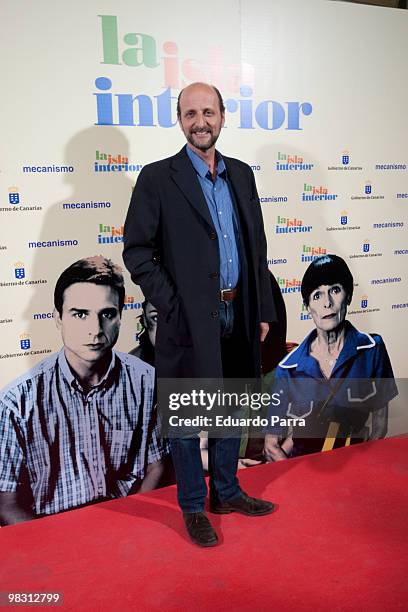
202,146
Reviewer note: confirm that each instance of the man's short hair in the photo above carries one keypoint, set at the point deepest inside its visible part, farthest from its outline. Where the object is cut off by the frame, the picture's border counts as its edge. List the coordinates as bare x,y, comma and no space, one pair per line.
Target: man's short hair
98,270
219,96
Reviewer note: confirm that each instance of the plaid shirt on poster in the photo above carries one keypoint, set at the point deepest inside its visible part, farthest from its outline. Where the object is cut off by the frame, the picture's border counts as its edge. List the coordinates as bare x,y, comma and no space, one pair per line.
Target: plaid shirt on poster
76,447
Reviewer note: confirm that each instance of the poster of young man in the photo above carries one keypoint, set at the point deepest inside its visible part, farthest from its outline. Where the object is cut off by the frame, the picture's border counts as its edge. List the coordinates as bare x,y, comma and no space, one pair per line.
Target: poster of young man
80,427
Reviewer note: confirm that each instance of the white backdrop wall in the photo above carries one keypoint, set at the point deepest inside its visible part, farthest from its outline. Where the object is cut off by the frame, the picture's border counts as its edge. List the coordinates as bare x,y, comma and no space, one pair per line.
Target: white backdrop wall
316,96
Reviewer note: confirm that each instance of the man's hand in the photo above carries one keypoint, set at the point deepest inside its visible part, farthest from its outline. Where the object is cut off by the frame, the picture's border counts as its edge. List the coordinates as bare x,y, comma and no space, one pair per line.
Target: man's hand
263,329
272,449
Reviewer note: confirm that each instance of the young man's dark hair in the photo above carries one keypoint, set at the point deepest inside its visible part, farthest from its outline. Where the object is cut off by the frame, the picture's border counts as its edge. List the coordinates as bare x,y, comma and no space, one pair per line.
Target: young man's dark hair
98,270
219,96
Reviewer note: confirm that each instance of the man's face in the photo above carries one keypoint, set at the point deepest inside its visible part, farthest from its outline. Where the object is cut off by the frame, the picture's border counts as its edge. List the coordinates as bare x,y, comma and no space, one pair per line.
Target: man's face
89,323
200,117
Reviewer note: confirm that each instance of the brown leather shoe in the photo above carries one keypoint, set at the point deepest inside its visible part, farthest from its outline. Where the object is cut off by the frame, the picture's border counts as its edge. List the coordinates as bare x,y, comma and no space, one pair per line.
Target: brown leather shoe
250,506
200,529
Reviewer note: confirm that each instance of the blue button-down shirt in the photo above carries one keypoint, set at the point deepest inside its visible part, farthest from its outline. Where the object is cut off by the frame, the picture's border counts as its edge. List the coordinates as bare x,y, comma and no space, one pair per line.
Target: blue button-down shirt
221,206
75,447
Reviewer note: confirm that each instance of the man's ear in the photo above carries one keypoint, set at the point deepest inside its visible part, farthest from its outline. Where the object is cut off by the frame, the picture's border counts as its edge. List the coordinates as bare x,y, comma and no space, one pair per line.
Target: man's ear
57,318
222,119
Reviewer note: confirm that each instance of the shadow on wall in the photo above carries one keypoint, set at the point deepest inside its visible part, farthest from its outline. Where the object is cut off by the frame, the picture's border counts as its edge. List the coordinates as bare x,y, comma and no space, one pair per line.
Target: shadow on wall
88,216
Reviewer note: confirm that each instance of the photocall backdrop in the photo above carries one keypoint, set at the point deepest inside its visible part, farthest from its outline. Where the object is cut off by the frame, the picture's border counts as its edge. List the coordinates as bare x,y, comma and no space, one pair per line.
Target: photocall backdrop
315,96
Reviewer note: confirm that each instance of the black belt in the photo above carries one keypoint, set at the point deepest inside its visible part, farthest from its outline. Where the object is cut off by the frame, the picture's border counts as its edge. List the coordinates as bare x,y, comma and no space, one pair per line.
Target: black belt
227,295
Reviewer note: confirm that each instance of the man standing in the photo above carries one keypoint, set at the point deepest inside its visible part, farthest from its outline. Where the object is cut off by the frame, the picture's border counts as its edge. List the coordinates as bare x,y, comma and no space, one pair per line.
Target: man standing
80,426
195,243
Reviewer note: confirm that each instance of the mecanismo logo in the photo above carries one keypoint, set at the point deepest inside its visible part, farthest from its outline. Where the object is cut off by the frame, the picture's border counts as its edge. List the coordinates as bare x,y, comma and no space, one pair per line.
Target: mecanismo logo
114,163
273,199
142,51
286,225
81,205
390,166
388,225
110,234
312,193
50,169
52,243
385,281
40,316
291,162
277,262
402,305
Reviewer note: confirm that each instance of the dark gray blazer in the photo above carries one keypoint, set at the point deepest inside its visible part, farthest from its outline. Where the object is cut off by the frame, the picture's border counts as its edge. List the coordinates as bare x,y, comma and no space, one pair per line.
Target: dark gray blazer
171,251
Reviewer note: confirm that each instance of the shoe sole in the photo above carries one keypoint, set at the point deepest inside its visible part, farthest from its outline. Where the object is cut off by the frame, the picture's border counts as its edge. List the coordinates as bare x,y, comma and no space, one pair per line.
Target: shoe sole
204,544
230,510
221,510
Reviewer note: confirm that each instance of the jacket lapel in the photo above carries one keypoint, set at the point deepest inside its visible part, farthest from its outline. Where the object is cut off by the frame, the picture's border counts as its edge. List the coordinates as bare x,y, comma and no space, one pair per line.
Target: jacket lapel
239,184
183,174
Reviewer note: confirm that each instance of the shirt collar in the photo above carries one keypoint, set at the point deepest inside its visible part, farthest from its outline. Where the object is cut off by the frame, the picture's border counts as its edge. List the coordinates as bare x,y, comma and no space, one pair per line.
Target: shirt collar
300,357
355,341
201,167
70,378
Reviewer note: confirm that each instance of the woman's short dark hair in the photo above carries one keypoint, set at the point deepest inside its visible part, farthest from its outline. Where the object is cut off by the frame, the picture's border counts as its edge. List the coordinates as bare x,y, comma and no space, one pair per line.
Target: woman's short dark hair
98,270
327,270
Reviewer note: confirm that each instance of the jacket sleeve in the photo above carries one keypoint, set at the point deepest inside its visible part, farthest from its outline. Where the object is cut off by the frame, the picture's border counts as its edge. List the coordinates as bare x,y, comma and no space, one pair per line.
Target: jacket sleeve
267,306
142,244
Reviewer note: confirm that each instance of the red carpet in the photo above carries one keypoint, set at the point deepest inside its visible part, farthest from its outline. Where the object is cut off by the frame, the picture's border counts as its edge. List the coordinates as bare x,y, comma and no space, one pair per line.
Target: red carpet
338,541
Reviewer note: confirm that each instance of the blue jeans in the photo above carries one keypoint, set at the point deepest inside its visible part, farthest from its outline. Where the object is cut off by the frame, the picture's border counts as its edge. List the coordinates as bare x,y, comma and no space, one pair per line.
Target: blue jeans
222,467
222,454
